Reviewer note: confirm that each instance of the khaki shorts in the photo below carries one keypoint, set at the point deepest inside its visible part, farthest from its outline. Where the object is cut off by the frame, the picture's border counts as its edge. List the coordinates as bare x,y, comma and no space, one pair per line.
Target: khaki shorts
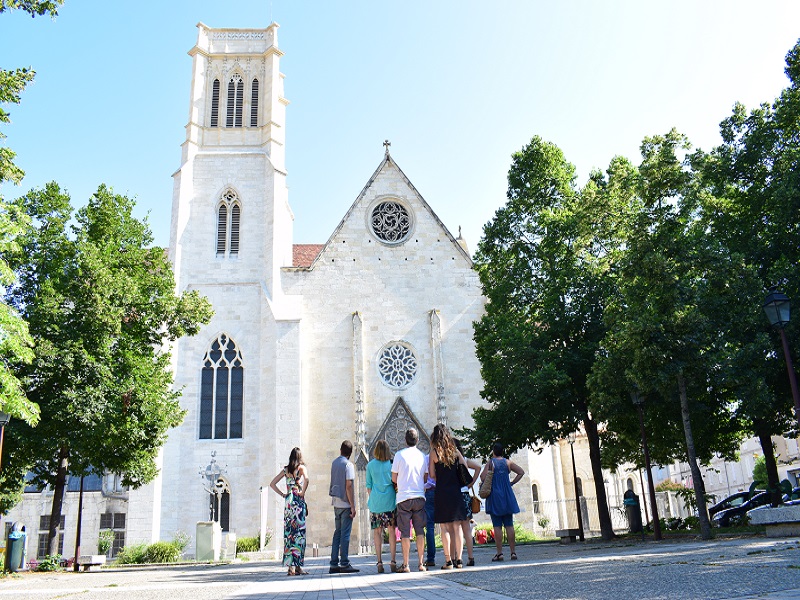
408,512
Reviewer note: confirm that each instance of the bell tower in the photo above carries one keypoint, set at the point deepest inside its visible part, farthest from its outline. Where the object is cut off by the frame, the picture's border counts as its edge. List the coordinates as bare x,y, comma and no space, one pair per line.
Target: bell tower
231,220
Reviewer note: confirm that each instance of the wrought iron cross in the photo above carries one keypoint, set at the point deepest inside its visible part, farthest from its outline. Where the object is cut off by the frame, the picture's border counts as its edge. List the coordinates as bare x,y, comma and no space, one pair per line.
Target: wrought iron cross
386,144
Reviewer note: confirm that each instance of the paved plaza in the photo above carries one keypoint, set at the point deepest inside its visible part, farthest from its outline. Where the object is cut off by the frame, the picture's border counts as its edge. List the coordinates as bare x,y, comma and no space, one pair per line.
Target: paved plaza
754,567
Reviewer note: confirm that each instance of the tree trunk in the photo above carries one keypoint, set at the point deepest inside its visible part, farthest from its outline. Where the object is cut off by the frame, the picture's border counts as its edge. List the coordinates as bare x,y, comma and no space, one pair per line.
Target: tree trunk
773,483
58,500
697,478
606,528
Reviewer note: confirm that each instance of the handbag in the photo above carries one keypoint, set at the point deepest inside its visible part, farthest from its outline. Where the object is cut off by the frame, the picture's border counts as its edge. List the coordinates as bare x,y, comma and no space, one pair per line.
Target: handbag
475,503
463,474
486,486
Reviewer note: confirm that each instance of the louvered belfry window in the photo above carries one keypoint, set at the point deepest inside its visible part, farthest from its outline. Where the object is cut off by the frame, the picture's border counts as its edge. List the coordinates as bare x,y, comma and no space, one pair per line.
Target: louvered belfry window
228,219
215,104
222,391
254,105
235,101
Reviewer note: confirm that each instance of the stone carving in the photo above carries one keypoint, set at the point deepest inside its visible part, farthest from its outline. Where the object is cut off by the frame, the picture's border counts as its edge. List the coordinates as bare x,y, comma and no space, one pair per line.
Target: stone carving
397,365
390,222
238,35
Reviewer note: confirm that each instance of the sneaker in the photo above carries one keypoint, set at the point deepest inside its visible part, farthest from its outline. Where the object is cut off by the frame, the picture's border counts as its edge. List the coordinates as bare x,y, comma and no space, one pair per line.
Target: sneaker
334,570
430,563
348,569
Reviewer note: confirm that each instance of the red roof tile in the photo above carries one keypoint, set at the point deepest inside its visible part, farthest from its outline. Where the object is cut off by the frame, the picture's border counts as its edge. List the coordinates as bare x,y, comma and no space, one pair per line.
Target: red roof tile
304,254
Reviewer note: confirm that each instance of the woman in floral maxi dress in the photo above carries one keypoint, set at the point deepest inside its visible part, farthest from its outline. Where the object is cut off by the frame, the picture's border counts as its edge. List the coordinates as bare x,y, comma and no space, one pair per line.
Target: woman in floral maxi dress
294,513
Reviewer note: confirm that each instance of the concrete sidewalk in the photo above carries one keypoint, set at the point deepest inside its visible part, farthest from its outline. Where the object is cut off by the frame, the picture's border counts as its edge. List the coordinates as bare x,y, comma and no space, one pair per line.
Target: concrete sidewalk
754,567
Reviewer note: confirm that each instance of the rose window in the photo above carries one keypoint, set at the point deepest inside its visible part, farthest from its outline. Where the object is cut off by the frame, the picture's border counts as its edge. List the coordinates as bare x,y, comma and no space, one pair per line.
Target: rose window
391,222
397,365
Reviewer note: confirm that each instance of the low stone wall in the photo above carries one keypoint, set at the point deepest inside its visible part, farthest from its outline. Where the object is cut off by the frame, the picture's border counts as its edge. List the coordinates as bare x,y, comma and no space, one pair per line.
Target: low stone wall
782,521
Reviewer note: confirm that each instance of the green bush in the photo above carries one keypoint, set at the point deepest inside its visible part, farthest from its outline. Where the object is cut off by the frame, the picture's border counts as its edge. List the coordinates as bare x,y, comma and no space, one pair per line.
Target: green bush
162,552
247,544
691,522
181,540
51,562
135,554
104,541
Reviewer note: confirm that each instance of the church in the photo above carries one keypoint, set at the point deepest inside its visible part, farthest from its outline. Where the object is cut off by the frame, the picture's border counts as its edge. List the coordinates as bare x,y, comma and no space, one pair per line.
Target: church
311,344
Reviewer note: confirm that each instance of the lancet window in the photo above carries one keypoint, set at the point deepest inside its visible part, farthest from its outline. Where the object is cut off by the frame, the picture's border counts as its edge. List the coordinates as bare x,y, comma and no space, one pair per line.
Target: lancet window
254,104
215,103
229,212
235,101
222,391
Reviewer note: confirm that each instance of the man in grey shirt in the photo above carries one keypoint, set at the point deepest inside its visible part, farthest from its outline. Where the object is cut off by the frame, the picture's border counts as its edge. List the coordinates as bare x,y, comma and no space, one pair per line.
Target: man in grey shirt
343,472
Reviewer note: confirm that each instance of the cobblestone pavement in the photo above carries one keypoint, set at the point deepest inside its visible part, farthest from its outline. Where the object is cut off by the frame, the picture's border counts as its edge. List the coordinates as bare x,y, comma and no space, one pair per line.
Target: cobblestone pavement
754,567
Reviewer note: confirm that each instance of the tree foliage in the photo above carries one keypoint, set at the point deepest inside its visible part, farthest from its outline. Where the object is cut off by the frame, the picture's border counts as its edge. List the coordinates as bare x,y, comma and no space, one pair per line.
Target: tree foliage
100,303
541,266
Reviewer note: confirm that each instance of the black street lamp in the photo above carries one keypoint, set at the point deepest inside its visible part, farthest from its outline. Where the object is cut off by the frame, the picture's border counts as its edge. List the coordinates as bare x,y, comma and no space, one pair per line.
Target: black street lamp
571,440
638,401
778,311
4,419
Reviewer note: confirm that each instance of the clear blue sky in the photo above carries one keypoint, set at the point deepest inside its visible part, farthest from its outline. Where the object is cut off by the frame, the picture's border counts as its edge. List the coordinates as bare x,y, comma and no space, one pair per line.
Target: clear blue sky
456,86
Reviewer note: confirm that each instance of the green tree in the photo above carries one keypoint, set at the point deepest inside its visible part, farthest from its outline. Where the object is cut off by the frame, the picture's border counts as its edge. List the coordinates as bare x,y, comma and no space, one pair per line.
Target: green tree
669,321
541,265
760,477
755,211
100,303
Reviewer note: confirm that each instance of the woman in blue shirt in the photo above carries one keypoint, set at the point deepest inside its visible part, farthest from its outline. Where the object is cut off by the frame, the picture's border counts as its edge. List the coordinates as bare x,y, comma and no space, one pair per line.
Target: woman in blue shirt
381,501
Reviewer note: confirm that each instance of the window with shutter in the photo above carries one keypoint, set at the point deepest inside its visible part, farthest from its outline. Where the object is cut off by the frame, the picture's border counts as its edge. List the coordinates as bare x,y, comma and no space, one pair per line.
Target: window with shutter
235,213
215,104
222,229
235,101
254,104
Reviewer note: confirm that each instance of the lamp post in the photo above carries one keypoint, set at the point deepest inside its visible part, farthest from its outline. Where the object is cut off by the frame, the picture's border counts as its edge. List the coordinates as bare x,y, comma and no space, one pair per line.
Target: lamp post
211,473
778,309
4,419
638,402
571,440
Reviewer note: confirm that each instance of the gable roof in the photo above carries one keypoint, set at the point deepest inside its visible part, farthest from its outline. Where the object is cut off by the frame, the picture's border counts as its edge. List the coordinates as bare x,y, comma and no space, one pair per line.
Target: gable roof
388,160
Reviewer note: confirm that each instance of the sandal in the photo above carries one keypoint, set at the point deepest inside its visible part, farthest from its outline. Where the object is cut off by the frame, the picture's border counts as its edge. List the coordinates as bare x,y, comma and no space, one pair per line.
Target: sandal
447,566
290,573
394,566
403,569
498,557
471,562
422,567
459,564
513,556
380,567
301,572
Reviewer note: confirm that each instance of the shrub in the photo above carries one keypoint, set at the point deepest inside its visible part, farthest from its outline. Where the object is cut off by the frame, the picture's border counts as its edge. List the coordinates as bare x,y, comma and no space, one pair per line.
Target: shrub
691,522
162,552
181,540
51,562
247,544
543,522
104,541
132,555
522,535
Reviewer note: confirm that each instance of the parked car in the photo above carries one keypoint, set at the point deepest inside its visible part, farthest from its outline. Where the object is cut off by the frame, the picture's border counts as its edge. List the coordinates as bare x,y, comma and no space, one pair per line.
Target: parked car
731,501
793,495
723,518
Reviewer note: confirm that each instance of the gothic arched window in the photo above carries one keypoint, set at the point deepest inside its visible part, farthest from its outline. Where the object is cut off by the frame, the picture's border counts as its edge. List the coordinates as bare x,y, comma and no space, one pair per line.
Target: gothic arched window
235,100
229,213
535,497
254,104
222,391
215,104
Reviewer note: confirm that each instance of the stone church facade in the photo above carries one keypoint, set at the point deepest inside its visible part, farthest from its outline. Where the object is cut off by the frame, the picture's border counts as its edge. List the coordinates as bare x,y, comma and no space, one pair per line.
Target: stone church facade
354,339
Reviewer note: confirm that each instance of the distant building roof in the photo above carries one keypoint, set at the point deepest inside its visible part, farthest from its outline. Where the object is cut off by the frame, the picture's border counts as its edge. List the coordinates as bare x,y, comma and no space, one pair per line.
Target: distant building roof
304,254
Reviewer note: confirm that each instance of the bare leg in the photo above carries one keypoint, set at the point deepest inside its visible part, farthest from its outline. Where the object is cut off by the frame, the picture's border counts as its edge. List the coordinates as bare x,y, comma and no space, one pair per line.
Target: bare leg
511,538
458,542
378,538
445,531
392,543
498,539
405,543
420,547
465,532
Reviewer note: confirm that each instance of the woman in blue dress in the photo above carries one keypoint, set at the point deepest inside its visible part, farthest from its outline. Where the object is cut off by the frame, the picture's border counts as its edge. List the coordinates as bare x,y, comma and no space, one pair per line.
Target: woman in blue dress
501,504
294,512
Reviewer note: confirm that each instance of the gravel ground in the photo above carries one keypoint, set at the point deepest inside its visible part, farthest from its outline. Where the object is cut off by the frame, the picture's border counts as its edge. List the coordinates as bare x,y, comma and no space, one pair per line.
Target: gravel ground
720,569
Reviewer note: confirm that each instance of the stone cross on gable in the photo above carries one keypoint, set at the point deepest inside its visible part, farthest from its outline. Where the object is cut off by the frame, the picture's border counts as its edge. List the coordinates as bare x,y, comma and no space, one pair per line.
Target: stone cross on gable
386,144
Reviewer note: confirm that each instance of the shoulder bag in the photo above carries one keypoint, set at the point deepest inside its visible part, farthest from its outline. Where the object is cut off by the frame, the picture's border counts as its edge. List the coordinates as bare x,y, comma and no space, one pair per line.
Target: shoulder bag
486,486
463,474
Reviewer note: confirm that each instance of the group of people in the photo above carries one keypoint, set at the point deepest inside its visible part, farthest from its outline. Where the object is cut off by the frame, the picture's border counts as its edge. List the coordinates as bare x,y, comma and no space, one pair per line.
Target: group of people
411,490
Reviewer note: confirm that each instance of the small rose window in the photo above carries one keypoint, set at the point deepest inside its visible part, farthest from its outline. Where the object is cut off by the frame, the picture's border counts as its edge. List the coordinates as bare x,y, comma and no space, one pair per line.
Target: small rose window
391,222
397,365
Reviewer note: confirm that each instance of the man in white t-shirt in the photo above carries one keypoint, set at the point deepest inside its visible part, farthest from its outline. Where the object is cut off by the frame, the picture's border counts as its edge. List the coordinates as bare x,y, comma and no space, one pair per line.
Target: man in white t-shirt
409,472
